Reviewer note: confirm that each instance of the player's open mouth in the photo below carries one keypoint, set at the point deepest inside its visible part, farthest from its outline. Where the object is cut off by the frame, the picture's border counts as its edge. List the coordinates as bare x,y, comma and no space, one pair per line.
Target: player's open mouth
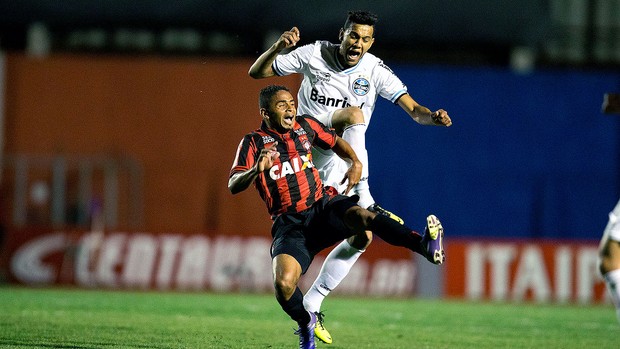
353,55
289,119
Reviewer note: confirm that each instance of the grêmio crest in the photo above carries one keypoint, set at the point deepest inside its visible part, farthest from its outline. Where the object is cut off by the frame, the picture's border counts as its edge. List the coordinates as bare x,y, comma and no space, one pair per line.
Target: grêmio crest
361,86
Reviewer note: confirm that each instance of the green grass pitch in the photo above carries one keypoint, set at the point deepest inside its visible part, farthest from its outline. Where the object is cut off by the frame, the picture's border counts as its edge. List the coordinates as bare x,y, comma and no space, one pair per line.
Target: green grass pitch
74,318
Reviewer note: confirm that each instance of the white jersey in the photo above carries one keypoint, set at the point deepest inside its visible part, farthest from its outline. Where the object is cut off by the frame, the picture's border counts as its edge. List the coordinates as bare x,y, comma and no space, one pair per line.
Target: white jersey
328,86
613,225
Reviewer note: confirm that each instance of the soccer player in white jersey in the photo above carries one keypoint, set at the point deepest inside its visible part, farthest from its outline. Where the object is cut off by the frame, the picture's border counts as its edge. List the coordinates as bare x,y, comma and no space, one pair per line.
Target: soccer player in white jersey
340,87
609,247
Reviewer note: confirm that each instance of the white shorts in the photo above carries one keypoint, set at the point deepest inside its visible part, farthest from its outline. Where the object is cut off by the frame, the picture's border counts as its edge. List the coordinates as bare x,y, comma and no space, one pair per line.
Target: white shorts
613,226
331,167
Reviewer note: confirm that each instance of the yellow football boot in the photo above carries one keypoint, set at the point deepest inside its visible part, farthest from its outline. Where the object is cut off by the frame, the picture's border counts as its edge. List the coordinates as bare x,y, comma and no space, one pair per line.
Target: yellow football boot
320,331
380,210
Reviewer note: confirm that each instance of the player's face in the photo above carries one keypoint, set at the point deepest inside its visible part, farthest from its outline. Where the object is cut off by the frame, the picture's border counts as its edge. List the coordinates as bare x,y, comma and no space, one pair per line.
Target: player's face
281,113
355,41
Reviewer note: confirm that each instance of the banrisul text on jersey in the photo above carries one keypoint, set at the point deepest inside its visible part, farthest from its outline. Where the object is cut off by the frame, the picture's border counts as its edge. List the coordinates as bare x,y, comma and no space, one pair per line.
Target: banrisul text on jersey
329,101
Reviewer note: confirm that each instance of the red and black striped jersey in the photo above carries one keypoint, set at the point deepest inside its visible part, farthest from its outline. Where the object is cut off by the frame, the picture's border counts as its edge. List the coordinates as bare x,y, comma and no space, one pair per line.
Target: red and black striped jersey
293,183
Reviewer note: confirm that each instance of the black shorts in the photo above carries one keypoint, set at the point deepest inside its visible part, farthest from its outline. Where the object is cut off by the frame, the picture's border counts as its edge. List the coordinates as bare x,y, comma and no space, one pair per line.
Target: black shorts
303,235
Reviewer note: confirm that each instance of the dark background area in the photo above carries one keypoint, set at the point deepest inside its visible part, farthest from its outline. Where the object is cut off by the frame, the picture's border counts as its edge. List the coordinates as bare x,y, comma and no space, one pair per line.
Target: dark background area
482,32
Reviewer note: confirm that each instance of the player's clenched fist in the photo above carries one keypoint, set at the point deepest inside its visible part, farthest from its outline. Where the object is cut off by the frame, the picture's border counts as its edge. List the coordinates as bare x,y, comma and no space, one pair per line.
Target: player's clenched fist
267,157
440,117
288,38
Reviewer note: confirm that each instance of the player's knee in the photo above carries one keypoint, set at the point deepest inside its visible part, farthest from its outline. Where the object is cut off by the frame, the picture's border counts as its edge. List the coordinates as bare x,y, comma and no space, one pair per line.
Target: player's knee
353,115
347,117
358,219
362,240
285,286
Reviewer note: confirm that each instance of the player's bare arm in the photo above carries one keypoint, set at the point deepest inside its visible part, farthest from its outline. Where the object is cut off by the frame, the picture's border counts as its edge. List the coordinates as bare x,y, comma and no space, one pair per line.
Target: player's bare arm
353,175
240,181
262,66
422,115
611,103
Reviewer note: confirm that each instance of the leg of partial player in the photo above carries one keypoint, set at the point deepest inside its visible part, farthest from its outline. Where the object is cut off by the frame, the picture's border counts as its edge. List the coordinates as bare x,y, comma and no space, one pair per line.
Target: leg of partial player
612,281
609,257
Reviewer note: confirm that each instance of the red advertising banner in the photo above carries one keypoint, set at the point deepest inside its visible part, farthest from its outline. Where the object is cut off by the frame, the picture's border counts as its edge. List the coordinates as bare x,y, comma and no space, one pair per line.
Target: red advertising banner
541,271
192,262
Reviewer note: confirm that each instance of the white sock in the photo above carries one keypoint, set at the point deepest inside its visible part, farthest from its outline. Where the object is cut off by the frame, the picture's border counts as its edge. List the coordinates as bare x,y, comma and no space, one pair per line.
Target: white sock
612,280
355,135
362,189
335,268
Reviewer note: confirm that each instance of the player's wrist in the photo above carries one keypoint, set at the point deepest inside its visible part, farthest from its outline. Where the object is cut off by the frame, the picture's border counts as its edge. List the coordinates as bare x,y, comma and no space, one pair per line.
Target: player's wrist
255,171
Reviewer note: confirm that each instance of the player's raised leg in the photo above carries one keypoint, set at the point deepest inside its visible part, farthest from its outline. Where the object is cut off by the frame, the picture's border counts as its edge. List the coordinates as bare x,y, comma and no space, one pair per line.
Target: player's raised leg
350,123
430,245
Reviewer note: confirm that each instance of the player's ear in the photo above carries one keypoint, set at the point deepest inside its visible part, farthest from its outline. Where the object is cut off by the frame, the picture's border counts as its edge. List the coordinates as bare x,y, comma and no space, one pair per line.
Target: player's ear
341,34
264,113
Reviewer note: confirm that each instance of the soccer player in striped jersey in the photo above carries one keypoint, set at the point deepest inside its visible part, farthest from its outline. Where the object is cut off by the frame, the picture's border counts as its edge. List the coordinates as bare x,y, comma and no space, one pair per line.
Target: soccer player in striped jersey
340,87
307,216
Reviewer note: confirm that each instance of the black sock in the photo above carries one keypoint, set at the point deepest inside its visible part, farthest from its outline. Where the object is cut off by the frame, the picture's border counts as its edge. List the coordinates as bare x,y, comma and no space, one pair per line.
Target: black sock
294,307
396,234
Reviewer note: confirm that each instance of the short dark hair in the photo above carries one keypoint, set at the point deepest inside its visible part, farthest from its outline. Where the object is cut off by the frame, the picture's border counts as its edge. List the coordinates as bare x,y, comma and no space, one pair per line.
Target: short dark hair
360,17
267,92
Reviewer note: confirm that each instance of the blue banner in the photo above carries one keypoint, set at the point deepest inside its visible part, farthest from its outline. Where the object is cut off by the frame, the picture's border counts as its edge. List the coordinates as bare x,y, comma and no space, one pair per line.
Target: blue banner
528,156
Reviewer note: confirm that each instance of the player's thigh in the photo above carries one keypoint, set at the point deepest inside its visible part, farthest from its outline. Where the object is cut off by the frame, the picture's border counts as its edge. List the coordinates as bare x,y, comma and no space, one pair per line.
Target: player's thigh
612,230
328,224
609,247
289,239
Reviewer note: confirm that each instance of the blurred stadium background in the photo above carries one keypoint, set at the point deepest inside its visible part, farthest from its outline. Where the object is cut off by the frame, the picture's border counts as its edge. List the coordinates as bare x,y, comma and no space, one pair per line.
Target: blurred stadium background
119,122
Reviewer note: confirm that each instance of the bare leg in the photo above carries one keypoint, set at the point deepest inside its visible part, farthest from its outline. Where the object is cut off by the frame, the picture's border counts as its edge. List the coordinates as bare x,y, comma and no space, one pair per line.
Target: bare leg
286,274
609,258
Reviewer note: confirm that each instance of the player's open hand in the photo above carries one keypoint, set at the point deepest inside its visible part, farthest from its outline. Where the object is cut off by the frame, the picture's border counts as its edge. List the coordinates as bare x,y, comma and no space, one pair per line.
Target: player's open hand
288,39
352,177
266,158
441,118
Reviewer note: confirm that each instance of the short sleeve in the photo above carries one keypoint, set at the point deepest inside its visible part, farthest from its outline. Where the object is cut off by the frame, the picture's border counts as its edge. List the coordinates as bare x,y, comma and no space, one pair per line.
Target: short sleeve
245,156
294,61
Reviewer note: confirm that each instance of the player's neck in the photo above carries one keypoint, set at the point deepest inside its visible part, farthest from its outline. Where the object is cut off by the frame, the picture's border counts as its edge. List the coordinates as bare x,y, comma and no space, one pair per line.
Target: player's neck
342,61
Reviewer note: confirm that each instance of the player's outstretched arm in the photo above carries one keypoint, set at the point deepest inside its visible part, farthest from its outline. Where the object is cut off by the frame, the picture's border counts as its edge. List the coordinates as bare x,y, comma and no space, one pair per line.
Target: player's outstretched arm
344,151
422,115
240,181
262,66
611,103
